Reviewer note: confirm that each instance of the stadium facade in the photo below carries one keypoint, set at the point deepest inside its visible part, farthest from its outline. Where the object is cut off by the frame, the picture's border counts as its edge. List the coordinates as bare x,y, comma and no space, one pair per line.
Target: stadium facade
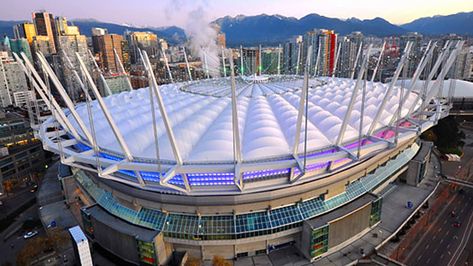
241,165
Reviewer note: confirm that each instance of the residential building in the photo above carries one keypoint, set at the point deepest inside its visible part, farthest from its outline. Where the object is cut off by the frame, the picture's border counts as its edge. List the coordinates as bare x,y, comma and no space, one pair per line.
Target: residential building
25,30
12,80
45,26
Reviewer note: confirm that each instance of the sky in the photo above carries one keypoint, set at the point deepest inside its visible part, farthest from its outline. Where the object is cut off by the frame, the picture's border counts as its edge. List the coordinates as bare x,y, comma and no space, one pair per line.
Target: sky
174,12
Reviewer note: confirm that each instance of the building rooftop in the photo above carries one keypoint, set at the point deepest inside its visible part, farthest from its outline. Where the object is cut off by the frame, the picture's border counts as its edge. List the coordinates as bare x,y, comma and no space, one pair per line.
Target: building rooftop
201,117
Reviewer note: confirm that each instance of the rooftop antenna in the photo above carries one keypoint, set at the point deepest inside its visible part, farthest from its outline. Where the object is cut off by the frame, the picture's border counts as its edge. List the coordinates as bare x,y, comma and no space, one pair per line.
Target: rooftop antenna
241,61
122,70
362,114
108,92
334,70
358,54
298,58
238,178
279,60
378,61
167,64
206,66
153,112
302,112
317,60
260,66
223,63
187,63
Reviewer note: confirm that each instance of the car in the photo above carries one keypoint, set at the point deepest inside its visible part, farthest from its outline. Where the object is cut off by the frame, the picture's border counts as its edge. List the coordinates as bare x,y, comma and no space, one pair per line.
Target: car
30,234
457,224
453,214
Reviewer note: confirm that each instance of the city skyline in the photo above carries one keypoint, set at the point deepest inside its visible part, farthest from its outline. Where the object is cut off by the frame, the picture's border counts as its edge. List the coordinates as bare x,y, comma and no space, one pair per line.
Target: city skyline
169,13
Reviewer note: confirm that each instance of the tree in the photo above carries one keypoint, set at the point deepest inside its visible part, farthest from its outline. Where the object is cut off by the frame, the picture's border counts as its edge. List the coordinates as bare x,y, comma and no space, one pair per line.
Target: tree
220,261
446,135
191,261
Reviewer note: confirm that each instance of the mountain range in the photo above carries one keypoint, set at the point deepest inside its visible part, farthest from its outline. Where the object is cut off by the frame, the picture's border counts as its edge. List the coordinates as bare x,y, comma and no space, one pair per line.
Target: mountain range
172,34
274,29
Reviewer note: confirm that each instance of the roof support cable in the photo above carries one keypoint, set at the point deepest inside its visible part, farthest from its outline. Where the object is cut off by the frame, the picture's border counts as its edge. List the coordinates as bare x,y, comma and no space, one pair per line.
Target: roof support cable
122,70
337,57
107,91
355,64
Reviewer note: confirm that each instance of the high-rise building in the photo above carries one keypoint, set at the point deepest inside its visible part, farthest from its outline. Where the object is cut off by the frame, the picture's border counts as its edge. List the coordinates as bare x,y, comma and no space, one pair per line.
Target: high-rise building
327,40
221,40
5,45
292,55
45,26
107,44
250,61
25,30
415,53
69,45
349,47
269,60
96,32
21,46
64,29
12,79
146,41
42,44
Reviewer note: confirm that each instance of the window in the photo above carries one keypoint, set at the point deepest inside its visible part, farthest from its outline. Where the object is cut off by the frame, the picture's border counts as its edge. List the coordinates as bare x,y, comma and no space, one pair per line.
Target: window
319,241
375,215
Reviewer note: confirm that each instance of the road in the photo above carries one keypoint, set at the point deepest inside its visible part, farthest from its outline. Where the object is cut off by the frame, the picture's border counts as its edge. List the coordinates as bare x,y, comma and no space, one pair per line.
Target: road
444,244
9,253
11,203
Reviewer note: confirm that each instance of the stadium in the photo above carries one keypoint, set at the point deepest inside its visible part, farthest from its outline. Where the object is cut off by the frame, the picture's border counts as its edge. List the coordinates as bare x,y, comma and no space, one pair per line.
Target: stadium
238,166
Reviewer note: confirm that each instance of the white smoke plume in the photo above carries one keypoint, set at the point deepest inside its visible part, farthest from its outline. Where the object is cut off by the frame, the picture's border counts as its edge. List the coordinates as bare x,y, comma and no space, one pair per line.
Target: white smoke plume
202,37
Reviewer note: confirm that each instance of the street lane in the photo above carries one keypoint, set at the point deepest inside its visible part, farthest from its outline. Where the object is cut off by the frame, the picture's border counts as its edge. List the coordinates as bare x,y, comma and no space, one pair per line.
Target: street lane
442,240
